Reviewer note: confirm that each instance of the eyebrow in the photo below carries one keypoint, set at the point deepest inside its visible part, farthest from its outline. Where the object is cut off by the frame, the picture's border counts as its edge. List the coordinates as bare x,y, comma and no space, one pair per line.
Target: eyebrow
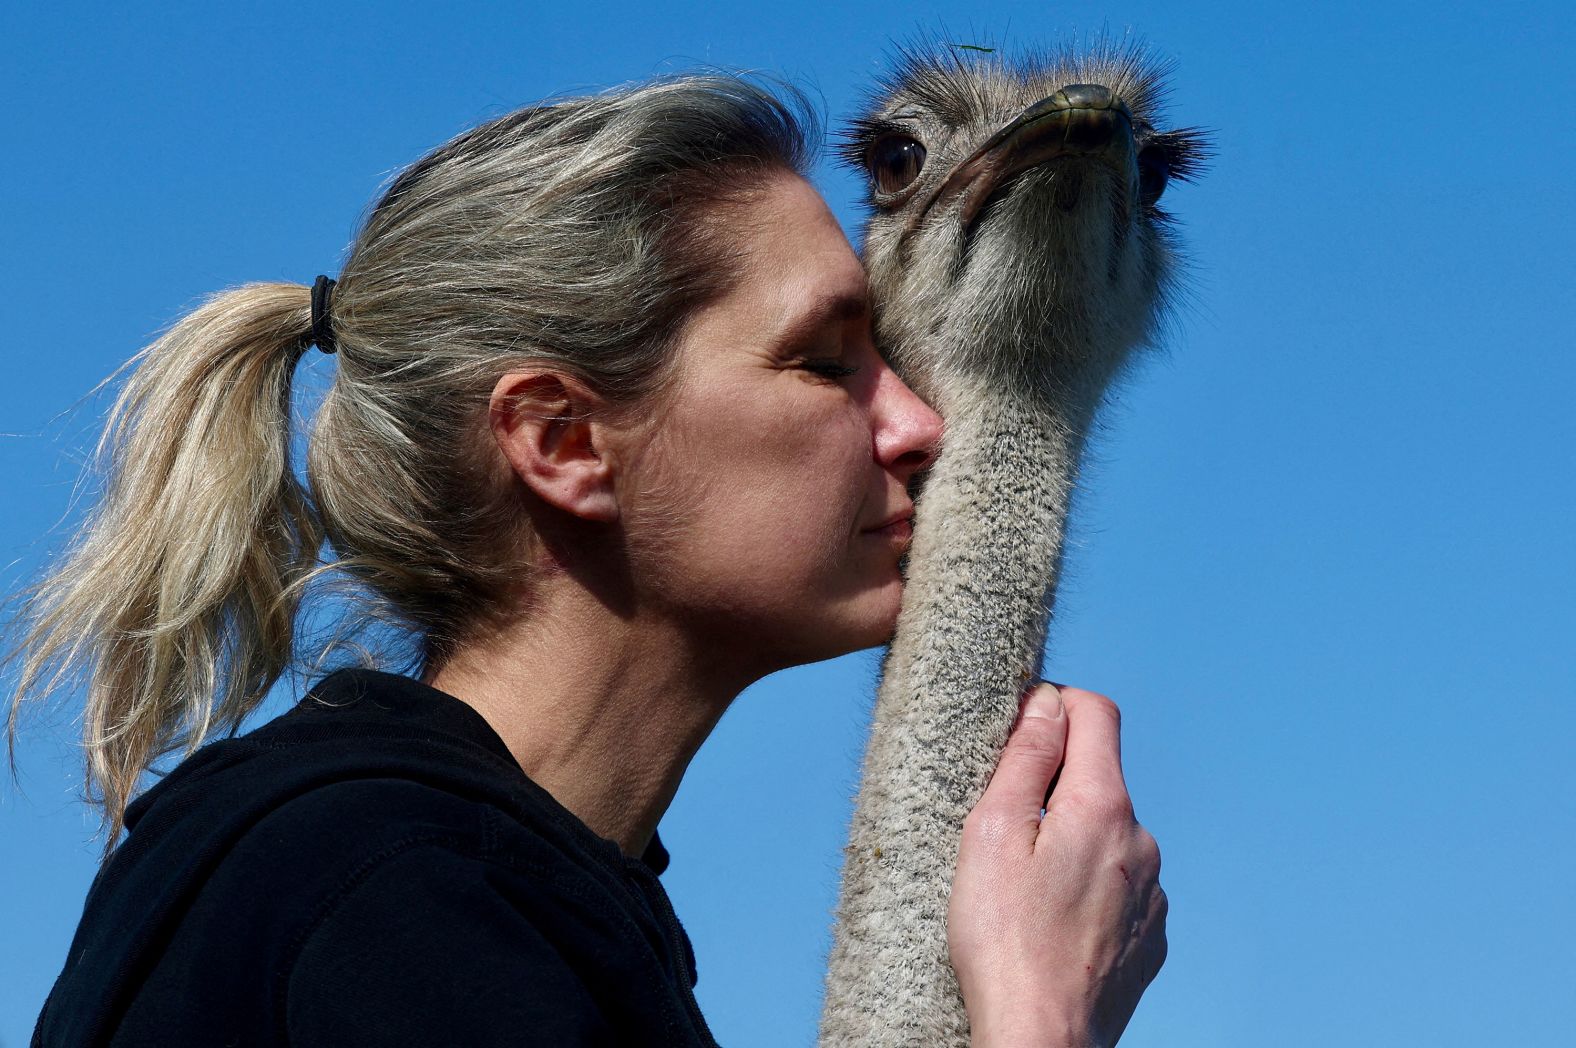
838,309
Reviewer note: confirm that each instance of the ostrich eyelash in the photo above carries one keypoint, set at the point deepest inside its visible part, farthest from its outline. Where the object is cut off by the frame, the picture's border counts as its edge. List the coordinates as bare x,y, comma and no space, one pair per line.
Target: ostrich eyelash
853,143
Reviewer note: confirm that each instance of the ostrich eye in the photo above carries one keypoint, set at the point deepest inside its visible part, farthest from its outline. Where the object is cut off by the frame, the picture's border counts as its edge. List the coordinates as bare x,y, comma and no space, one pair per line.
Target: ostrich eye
895,161
1154,171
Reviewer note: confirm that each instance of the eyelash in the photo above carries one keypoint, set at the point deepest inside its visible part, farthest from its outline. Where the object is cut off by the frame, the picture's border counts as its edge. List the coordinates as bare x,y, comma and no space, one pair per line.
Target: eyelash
829,370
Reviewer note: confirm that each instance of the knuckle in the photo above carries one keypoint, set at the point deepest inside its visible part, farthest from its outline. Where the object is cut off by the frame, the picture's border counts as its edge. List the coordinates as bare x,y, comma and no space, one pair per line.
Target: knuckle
1157,947
1103,807
1147,847
1117,809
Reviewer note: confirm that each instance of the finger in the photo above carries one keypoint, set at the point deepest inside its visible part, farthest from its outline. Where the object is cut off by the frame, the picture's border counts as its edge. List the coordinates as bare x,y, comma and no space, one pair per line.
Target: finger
1051,787
1031,757
1094,741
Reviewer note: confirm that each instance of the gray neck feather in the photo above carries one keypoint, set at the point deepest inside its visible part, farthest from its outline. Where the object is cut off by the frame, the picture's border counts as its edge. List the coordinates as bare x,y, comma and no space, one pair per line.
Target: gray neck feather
982,571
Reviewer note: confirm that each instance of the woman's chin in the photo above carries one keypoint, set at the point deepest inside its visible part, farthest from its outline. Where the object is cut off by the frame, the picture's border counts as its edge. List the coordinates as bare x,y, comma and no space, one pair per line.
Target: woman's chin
855,623
880,621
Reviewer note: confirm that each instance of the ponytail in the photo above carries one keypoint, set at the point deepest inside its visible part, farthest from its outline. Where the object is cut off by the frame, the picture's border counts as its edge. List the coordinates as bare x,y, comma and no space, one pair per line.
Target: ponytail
176,605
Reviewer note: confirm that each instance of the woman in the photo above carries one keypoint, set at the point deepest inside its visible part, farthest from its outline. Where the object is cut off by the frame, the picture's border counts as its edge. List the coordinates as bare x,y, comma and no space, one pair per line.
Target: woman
609,434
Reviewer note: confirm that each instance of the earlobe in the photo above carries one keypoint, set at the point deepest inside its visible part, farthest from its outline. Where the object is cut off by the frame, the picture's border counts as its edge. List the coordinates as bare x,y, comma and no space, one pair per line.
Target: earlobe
549,428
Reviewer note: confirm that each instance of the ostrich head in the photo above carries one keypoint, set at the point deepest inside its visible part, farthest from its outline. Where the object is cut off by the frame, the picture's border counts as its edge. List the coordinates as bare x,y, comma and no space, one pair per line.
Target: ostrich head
1016,233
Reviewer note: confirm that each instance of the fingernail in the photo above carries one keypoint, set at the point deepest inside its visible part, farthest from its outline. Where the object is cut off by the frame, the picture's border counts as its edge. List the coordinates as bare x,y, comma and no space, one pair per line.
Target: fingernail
1054,699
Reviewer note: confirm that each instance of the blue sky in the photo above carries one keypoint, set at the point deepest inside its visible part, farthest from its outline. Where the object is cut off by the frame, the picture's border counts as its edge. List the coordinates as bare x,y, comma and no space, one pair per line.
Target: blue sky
1323,557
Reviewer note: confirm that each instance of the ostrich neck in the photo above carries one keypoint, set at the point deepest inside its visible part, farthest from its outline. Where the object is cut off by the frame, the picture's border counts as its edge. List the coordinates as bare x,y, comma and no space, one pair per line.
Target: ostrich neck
982,570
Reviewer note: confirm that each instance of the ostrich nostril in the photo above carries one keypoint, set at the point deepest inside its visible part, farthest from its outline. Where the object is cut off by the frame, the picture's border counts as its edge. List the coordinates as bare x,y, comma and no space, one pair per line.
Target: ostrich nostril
1084,96
1088,116
1090,128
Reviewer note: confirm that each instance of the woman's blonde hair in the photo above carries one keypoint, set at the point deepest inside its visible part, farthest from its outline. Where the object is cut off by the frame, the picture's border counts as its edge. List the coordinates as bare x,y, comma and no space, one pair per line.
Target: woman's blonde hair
576,234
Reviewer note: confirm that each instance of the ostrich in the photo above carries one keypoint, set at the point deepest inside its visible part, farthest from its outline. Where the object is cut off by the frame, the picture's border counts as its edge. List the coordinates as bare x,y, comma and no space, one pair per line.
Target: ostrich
1017,258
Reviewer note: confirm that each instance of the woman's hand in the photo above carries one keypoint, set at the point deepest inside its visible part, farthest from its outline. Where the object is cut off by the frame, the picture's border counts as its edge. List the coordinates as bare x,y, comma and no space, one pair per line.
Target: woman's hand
1056,926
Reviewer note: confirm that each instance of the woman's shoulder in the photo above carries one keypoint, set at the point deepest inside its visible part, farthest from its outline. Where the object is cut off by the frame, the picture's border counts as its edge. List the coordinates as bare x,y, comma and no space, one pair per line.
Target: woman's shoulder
376,907
367,765
379,827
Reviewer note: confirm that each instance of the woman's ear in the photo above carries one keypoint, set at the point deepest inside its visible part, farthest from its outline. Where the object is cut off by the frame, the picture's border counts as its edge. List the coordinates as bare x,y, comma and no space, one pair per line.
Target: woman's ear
549,428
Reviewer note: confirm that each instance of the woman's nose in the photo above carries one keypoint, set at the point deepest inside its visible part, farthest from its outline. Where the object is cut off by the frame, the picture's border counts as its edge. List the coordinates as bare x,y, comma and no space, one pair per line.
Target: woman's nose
907,430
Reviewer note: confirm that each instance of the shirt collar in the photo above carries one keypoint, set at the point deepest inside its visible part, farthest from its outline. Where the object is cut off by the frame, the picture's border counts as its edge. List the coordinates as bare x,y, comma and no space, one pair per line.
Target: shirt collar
373,694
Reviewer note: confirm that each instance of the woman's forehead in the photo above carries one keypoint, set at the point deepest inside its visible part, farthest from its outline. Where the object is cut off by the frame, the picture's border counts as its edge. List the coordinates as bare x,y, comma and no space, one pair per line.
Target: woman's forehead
799,269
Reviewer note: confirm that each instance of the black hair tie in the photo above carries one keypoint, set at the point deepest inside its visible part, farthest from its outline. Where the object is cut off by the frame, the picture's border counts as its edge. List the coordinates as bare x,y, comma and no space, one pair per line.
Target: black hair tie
322,325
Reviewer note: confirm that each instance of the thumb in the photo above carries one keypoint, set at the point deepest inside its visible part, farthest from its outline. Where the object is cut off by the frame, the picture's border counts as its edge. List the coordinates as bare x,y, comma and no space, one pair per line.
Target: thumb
1033,755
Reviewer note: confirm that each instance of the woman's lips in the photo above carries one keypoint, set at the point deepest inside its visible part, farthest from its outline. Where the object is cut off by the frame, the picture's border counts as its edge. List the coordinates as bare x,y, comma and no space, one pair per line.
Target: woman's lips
899,530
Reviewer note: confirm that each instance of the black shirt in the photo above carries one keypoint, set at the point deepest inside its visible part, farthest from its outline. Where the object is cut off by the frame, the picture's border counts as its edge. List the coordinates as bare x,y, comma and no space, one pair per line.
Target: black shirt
371,868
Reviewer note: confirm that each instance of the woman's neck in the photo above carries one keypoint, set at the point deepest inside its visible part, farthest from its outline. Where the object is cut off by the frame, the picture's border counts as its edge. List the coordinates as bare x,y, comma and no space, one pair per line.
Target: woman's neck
603,711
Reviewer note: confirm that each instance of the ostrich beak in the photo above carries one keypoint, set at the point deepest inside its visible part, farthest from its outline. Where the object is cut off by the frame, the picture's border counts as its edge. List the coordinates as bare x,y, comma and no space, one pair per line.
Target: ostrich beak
1078,120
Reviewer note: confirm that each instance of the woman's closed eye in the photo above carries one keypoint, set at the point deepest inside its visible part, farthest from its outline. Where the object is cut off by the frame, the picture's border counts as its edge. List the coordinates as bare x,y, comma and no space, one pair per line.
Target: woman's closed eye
829,368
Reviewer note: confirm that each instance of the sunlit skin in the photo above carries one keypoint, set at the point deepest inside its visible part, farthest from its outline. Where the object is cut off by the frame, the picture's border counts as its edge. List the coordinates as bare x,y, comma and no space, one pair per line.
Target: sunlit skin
726,532
776,467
